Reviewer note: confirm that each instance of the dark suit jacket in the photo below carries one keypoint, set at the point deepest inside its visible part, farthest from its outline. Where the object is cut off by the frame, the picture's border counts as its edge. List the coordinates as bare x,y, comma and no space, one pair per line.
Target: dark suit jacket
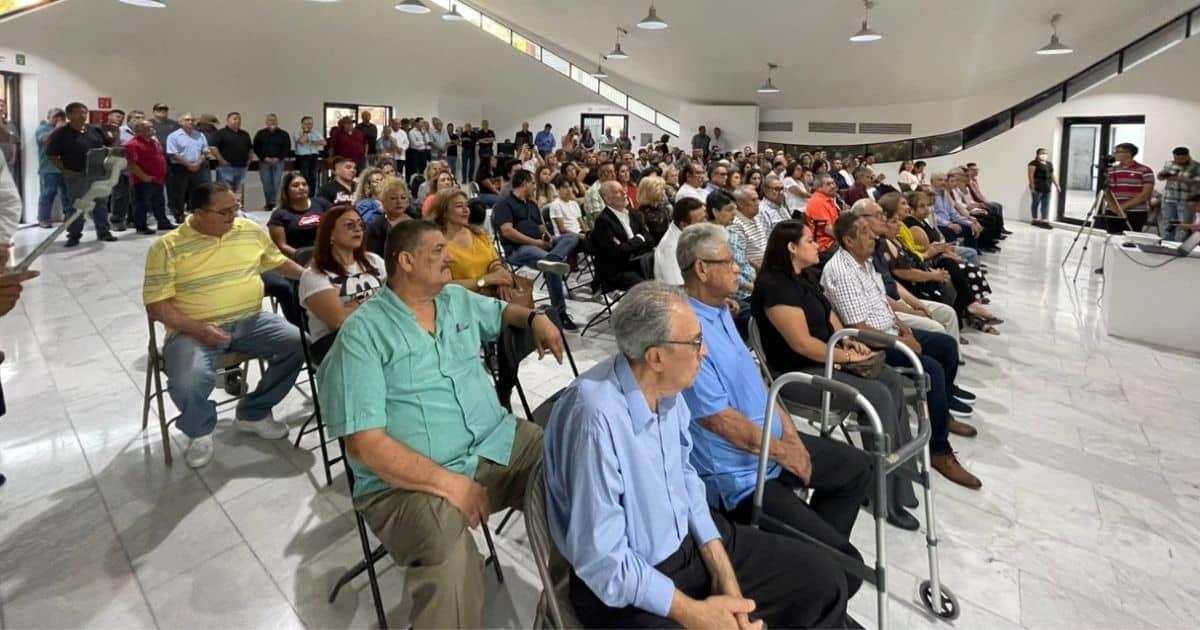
614,252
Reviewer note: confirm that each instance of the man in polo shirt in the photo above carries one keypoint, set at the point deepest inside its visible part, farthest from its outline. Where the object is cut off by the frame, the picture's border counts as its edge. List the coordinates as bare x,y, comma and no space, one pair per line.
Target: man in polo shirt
187,154
232,149
726,401
701,141
68,149
163,125
1182,175
432,450
1131,183
272,145
203,283
864,181
718,177
527,241
746,224
545,141
147,174
821,213
370,134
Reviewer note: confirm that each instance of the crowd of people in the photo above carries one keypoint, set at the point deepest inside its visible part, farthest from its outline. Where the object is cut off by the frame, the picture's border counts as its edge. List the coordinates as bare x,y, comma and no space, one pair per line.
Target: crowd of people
398,283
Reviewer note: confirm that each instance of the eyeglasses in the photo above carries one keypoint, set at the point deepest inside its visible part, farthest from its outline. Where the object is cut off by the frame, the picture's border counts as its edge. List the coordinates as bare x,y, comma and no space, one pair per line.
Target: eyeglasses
696,343
354,225
227,212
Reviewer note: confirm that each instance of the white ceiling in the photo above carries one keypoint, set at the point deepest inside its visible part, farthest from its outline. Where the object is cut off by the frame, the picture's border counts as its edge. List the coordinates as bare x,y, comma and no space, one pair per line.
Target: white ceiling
715,51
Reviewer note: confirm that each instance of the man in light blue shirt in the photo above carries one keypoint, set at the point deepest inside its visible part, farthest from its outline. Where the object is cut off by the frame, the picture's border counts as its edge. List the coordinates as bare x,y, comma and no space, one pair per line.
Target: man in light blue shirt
544,141
727,399
439,140
627,509
187,157
950,221
308,143
52,180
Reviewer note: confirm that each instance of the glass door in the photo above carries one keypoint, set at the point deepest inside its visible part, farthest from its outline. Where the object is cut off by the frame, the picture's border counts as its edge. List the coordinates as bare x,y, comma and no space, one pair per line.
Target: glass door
1085,142
599,122
10,126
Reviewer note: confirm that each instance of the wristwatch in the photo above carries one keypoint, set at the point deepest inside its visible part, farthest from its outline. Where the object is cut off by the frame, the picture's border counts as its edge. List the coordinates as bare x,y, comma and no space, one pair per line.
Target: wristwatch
480,283
534,313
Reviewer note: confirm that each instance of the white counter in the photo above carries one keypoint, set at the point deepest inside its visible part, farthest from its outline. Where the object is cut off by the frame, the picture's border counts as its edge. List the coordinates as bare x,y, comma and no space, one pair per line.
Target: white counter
1160,305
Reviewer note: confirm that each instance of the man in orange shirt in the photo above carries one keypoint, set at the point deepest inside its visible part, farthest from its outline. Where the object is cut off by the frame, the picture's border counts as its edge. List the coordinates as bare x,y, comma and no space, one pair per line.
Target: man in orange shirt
820,215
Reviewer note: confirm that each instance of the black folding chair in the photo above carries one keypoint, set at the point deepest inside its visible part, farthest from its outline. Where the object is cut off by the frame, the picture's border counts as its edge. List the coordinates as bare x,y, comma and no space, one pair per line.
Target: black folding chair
314,423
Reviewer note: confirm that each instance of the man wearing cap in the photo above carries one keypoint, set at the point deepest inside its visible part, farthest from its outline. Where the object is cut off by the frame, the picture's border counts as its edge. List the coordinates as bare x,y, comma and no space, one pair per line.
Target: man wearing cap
53,183
163,125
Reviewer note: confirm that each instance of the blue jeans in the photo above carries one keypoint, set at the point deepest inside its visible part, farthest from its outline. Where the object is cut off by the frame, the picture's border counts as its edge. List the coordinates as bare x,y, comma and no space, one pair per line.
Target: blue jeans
468,161
52,184
191,370
233,176
452,160
99,216
529,255
1040,200
1174,212
488,199
271,176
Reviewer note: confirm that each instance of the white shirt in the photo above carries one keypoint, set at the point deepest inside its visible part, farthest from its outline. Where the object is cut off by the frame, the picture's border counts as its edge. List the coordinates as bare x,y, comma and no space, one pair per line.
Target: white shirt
418,140
794,201
909,180
569,212
666,267
400,139
530,165
770,214
358,285
688,190
623,217
846,176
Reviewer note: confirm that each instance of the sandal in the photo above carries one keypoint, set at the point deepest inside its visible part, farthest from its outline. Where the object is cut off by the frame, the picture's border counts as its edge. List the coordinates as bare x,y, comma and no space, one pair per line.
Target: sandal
983,325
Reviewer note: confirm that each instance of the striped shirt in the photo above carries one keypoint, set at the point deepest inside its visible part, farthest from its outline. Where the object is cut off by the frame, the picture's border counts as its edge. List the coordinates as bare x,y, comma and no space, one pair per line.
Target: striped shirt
211,279
1126,182
753,238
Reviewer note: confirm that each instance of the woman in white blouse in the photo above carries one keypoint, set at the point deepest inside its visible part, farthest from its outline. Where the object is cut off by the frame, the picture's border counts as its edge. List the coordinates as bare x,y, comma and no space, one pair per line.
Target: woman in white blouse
908,180
794,190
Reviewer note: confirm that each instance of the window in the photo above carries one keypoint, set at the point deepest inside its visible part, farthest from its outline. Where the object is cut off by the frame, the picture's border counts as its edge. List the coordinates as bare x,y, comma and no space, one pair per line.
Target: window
497,29
526,46
892,151
472,16
987,129
1155,43
582,77
1037,104
1093,76
641,109
933,146
667,124
613,94
556,62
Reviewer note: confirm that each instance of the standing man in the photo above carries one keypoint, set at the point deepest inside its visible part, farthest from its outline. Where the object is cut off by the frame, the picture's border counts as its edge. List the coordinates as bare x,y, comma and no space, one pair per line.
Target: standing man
524,136
232,150
1182,175
1131,183
467,140
439,140
418,148
147,175
623,142
400,137
607,141
346,141
545,141
118,200
309,144
52,180
68,149
163,125
187,154
455,139
272,145
126,131
701,141
370,134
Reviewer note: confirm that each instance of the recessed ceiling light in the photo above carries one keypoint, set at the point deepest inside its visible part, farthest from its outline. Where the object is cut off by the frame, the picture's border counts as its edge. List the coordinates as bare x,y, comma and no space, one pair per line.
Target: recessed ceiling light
412,7
652,22
149,4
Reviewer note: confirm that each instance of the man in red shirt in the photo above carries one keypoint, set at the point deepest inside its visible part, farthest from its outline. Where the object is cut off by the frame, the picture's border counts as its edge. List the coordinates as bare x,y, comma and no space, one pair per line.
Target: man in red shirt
1131,183
821,213
348,141
147,173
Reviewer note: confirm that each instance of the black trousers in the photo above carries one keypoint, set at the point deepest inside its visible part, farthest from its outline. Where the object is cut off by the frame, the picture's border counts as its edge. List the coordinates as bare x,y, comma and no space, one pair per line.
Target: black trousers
841,481
307,165
119,204
793,583
180,184
939,359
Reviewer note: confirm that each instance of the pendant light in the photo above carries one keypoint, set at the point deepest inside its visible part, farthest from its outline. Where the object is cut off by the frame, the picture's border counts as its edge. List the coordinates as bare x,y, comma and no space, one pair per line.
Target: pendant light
652,22
865,34
617,53
769,87
149,4
412,7
1055,47
453,15
600,73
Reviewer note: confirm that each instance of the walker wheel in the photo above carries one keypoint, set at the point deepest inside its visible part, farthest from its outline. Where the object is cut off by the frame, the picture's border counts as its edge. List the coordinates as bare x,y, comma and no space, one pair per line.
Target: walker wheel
950,607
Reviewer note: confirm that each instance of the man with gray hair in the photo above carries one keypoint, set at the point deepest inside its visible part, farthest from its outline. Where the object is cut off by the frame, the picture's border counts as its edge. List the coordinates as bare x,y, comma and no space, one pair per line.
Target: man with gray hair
628,511
771,209
620,240
745,223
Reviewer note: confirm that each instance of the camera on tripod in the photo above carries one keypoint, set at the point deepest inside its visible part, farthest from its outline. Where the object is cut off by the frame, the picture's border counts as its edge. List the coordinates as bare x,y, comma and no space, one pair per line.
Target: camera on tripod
1106,162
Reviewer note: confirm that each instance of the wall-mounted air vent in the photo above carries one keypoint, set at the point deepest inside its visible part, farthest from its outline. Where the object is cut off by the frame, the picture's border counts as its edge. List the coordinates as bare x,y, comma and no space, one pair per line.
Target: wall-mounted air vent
885,128
783,125
831,127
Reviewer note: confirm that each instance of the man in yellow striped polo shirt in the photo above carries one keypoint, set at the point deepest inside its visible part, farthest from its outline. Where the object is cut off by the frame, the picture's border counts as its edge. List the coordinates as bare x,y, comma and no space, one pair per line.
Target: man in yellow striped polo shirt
202,282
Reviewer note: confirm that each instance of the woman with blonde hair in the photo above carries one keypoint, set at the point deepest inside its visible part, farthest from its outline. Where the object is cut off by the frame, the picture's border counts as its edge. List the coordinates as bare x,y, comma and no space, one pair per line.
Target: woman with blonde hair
431,172
443,181
395,199
653,203
366,197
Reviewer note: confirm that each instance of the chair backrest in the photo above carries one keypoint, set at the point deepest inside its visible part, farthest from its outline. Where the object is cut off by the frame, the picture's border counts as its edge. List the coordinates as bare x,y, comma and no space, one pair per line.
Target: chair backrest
554,588
548,222
517,343
755,339
471,189
303,256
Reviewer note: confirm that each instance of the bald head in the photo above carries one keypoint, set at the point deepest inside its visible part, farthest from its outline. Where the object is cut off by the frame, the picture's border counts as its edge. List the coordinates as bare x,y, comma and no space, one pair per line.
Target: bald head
613,194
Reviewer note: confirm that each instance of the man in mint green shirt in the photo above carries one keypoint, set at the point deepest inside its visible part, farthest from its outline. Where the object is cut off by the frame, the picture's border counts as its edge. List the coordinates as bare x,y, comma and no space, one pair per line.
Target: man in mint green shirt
431,448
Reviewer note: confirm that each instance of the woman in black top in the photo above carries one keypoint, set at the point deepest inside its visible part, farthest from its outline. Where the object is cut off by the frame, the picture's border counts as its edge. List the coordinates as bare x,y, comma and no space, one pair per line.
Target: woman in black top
795,321
293,225
1041,175
487,180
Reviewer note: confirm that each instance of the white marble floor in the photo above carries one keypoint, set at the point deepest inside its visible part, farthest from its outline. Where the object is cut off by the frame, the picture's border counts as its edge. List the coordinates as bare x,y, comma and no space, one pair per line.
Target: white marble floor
1088,517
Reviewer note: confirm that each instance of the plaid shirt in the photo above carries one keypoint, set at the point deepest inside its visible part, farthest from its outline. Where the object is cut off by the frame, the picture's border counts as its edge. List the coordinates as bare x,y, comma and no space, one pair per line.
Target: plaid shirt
746,273
1179,190
857,293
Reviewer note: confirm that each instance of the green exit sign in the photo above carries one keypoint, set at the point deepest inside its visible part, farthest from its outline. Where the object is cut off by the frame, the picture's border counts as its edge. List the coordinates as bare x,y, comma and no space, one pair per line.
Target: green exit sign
20,59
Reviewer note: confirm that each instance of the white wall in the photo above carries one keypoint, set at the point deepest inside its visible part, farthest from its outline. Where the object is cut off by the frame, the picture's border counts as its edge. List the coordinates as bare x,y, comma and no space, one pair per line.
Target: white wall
738,123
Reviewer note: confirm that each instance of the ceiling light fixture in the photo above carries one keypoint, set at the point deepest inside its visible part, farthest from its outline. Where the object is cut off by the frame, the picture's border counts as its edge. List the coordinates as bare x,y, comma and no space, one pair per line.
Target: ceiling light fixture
865,34
600,73
149,4
453,15
617,53
412,7
652,22
1055,47
769,87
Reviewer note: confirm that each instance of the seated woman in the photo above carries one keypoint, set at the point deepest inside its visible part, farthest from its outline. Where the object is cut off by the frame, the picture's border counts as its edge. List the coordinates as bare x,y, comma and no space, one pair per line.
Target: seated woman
795,322
293,223
396,202
366,199
544,191
652,202
927,235
474,264
442,181
340,277
487,179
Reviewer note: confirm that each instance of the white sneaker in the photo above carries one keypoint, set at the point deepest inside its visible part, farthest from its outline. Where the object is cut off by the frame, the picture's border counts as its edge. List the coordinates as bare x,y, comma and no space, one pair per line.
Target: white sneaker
267,428
199,452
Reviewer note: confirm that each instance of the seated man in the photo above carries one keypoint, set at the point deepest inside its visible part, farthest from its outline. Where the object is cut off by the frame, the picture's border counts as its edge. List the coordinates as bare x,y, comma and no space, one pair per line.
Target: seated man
726,401
953,224
993,207
432,450
527,241
864,183
820,215
628,512
619,240
960,195
771,209
857,294
687,211
203,283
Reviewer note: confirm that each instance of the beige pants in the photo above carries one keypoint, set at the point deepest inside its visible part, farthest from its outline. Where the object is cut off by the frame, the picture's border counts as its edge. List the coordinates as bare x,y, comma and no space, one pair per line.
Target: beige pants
945,320
429,536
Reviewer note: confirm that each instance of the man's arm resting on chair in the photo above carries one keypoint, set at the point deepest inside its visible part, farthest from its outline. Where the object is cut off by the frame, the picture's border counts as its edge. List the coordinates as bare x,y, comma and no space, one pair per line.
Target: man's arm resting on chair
401,467
166,312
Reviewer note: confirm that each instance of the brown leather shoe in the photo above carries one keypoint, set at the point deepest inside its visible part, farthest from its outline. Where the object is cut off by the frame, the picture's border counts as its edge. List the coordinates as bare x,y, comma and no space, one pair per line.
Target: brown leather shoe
948,465
961,428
